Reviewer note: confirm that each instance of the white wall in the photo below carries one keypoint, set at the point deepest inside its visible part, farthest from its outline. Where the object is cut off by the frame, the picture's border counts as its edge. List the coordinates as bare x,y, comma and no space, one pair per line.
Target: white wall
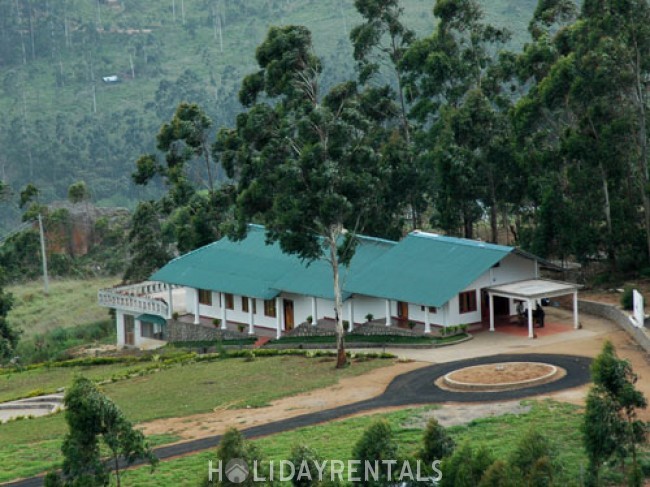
364,305
236,315
416,313
511,269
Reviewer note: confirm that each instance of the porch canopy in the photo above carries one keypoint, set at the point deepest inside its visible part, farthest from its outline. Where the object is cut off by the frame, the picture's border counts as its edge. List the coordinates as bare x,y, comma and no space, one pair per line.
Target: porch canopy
530,291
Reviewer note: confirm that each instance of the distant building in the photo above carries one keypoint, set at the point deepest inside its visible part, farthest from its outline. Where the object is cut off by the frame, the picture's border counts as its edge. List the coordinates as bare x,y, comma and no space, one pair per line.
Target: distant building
111,79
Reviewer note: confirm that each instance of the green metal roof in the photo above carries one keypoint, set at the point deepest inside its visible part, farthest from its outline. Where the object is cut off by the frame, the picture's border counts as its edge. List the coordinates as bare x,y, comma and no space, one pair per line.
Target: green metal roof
159,320
316,279
251,267
426,269
248,267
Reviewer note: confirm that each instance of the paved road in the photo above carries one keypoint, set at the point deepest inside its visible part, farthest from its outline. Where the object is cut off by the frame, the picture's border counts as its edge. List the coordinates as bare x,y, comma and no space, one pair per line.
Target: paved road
410,389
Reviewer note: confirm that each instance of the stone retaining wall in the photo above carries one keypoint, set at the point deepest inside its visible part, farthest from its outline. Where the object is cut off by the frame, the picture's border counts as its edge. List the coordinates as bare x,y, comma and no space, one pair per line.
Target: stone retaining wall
307,330
619,317
374,329
179,331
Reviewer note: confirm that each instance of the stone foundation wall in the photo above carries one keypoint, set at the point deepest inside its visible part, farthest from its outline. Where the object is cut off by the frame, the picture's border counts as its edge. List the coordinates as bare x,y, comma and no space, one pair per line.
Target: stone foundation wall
179,331
372,329
307,330
619,317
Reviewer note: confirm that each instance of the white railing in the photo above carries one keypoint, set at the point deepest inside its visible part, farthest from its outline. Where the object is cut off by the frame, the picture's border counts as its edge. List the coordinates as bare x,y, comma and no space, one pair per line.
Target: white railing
139,298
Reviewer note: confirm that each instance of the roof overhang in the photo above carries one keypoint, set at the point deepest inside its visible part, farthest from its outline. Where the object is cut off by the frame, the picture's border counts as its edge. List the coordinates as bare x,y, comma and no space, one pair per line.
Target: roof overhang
534,289
149,318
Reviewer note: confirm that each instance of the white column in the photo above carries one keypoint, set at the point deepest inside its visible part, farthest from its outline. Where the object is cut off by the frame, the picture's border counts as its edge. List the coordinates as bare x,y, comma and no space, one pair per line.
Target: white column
251,317
491,301
137,333
576,323
278,319
427,322
351,313
170,302
388,320
119,323
196,307
223,311
530,319
314,316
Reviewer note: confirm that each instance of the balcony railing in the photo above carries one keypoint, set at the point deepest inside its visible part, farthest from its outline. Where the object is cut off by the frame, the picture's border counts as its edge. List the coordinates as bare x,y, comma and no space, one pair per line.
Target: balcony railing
145,297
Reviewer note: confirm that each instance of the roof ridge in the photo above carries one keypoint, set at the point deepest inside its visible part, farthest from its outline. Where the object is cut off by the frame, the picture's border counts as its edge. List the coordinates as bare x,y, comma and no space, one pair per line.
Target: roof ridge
460,240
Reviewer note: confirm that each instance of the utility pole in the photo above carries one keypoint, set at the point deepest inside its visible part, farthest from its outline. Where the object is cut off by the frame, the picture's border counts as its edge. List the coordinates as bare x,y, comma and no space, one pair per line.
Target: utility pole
46,282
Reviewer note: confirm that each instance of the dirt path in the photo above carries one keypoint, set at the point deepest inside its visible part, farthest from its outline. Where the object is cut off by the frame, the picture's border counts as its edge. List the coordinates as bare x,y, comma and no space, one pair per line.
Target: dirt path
348,390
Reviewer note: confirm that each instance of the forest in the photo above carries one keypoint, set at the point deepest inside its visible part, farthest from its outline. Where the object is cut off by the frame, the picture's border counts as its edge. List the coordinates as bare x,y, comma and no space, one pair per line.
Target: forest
509,121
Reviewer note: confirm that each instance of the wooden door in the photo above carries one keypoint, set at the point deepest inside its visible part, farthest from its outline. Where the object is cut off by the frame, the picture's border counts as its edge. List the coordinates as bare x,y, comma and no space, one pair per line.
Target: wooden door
402,310
129,330
288,315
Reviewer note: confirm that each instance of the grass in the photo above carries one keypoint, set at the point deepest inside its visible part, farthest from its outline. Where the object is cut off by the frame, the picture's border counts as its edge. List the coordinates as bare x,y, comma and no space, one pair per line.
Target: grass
560,422
22,384
28,447
70,302
201,387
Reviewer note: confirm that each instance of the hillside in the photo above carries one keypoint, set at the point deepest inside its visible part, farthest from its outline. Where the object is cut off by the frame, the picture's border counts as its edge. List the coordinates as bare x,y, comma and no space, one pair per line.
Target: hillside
62,122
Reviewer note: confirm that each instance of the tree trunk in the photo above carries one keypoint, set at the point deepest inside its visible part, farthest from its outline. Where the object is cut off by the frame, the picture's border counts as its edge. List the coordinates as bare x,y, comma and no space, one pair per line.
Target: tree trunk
643,145
468,226
117,471
341,358
494,229
608,214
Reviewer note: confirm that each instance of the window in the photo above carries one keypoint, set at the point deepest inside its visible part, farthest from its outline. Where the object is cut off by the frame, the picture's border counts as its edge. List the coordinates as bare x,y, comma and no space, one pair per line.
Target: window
269,308
205,297
432,309
245,304
467,302
230,301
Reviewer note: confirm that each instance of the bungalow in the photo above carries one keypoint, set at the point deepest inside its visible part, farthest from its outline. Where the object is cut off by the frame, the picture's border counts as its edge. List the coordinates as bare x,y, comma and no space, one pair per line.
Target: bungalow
427,279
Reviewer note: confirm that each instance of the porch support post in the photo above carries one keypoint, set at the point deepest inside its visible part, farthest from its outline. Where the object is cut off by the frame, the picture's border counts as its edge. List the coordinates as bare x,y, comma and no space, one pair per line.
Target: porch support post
196,307
530,318
170,302
278,319
388,320
137,333
576,323
251,316
223,311
491,301
427,322
351,313
119,323
314,316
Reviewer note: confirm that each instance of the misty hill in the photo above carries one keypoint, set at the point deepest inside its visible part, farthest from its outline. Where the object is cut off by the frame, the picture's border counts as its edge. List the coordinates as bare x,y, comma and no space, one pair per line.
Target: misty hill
85,84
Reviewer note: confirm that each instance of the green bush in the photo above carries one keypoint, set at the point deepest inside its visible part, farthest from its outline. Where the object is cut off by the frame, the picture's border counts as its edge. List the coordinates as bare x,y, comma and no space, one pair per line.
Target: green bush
501,474
376,444
303,454
465,467
533,458
233,446
627,299
437,443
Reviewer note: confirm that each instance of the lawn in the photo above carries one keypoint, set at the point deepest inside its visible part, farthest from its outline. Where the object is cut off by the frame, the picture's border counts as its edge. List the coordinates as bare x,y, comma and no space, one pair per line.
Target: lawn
69,303
560,422
29,447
